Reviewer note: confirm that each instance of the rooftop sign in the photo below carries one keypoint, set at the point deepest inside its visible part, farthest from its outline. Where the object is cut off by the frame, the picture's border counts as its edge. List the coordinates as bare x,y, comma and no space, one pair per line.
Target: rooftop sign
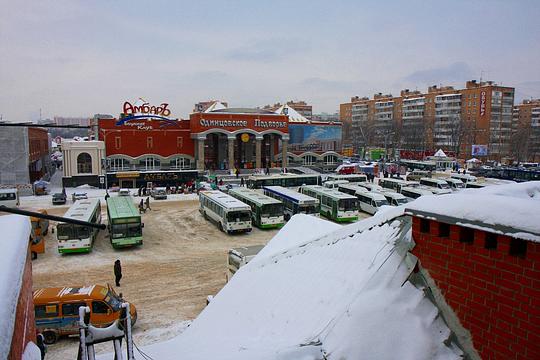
142,110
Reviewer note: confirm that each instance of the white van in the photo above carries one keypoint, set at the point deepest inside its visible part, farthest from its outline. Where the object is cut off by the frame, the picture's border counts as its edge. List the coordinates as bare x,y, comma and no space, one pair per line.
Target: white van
159,193
414,192
466,178
437,186
124,192
370,202
394,198
239,257
455,184
371,187
9,197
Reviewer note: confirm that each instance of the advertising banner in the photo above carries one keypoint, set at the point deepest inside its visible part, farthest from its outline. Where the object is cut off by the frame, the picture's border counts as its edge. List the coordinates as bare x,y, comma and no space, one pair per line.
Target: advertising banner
479,150
316,138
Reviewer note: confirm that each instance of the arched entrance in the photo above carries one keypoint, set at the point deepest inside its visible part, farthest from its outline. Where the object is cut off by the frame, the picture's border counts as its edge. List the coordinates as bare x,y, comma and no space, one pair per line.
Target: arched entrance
270,150
245,151
84,163
216,151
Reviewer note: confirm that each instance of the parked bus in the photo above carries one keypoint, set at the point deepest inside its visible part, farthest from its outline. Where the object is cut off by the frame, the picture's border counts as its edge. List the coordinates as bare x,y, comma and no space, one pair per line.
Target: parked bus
285,180
437,186
414,192
266,212
393,184
334,184
78,238
9,197
293,202
352,178
394,198
125,225
40,228
371,201
239,257
335,205
370,186
455,184
351,189
466,178
57,309
230,214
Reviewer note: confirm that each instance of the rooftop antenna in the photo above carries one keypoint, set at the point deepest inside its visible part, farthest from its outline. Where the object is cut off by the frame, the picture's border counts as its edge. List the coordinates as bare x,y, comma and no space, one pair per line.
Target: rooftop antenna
39,114
481,75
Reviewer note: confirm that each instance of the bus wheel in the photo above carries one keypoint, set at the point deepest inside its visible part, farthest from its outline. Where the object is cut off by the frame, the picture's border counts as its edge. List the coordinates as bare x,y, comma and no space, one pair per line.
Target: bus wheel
50,337
287,217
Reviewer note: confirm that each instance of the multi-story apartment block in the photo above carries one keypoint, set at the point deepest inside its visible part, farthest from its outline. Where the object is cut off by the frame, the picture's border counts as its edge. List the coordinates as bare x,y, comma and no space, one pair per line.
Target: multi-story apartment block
526,131
443,117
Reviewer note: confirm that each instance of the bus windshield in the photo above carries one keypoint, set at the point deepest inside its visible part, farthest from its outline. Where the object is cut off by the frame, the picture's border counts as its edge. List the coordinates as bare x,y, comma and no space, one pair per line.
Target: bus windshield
64,231
444,186
126,230
402,201
272,210
308,209
113,301
380,203
347,204
237,216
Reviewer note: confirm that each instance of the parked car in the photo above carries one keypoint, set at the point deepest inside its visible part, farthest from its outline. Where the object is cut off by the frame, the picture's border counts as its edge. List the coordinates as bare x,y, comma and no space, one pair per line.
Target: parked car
59,198
159,193
124,192
78,196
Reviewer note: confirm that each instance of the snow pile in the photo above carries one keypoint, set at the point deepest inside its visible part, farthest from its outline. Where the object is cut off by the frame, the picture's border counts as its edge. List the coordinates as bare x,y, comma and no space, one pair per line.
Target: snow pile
31,352
337,294
14,244
513,206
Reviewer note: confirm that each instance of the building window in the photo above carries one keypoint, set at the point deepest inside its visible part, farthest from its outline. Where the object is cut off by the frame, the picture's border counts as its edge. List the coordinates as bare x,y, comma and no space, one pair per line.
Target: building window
330,160
119,164
518,247
84,163
491,241
309,160
150,163
444,230
424,226
149,142
179,142
466,235
181,163
117,142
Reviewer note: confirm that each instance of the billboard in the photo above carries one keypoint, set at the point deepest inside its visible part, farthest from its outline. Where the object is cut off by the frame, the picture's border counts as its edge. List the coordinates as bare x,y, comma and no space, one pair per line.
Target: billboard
479,150
316,138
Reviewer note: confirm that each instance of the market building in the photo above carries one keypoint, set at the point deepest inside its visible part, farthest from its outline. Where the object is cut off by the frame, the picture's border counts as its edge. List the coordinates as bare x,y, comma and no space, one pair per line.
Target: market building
147,144
82,163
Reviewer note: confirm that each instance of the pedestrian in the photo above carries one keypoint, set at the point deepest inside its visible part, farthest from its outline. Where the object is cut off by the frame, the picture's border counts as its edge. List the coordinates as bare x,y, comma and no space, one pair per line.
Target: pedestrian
117,272
237,172
267,170
139,192
41,345
107,196
193,186
148,203
242,182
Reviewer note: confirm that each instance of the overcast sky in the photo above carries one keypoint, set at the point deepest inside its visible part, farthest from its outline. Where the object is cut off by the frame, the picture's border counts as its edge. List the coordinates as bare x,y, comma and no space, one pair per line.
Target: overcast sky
78,58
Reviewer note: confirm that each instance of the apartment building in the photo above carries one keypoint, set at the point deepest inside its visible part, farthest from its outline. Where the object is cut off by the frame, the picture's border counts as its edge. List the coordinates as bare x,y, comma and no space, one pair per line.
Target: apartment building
442,117
526,131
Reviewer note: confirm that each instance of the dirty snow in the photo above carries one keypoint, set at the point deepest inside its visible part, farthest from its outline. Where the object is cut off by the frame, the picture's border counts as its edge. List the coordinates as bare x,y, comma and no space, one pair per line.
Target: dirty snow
14,245
339,294
513,205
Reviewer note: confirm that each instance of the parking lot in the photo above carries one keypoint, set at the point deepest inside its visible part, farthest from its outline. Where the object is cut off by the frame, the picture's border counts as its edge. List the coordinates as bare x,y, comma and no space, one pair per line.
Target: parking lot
182,261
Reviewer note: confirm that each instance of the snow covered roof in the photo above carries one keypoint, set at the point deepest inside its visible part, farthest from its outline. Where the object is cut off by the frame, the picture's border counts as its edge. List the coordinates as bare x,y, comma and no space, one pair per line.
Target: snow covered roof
440,153
510,209
217,105
473,160
319,289
14,245
294,116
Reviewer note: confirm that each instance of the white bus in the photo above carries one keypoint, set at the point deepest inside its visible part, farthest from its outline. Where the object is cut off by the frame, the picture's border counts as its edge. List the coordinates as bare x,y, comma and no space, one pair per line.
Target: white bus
371,201
466,178
266,212
351,189
414,192
335,205
78,238
230,214
394,198
370,186
455,184
437,186
352,178
293,202
9,197
332,184
393,184
285,180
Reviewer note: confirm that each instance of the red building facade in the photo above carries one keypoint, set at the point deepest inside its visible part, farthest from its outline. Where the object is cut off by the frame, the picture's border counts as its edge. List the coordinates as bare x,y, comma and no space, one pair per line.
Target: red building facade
38,146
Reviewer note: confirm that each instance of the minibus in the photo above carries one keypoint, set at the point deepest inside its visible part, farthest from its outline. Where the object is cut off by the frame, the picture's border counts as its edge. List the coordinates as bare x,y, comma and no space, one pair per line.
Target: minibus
239,257
455,184
394,198
57,309
334,183
371,202
414,192
437,186
9,197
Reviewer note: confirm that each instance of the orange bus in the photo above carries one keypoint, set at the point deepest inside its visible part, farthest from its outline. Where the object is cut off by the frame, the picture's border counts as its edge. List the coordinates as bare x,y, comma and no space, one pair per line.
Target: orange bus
40,228
57,309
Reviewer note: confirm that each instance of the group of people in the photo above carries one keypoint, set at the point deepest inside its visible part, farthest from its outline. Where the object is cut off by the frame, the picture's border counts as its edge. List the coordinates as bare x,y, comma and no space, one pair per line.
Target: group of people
144,205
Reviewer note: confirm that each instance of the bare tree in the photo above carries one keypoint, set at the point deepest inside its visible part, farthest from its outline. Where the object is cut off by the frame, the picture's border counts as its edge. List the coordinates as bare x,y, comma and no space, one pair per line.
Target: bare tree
520,143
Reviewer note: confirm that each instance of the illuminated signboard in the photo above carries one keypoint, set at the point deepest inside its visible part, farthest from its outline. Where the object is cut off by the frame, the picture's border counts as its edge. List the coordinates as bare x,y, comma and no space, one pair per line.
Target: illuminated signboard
482,103
141,110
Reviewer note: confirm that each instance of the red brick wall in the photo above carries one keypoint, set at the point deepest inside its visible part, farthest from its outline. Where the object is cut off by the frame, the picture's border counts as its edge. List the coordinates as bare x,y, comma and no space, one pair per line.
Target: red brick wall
24,330
495,295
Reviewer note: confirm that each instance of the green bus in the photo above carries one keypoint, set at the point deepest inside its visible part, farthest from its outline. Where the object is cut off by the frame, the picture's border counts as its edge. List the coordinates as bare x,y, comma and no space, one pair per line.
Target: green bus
125,225
335,205
266,212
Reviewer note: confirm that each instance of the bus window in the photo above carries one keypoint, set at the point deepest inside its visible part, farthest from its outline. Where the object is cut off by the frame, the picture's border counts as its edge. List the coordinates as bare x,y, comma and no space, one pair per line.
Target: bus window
134,230
43,311
71,309
118,231
379,203
99,307
82,232
347,204
237,216
64,231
